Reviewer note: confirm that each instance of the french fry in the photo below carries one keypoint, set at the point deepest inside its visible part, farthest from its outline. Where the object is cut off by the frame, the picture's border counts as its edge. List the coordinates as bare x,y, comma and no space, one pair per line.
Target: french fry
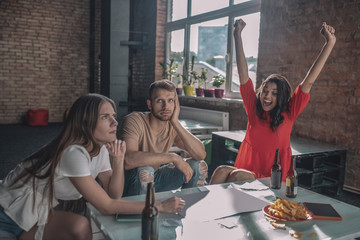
288,210
295,234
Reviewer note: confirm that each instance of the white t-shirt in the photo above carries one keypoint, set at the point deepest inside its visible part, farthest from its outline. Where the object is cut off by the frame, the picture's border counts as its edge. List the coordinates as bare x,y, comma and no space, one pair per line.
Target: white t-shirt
76,162
18,200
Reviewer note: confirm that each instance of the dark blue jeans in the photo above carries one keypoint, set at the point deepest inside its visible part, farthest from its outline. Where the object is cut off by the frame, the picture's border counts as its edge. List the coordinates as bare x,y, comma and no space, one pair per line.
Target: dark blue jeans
8,228
166,178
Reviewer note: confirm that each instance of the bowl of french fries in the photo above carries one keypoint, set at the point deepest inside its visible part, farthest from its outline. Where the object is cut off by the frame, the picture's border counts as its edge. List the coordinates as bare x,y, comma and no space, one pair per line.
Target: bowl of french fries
285,210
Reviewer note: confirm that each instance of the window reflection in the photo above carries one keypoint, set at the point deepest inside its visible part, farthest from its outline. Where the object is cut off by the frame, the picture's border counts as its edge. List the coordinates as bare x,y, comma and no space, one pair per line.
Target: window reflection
208,43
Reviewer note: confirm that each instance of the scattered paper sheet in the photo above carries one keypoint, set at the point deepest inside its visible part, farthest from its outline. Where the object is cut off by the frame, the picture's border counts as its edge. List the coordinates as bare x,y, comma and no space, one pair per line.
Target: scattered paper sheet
256,189
254,185
219,203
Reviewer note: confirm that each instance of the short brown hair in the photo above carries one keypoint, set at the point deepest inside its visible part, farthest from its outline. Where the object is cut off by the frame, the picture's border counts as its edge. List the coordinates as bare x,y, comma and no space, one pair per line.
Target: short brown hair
161,84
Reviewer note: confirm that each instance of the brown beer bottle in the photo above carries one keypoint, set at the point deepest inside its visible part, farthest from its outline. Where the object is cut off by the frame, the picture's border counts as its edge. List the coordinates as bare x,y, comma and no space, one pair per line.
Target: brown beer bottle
276,171
292,179
149,221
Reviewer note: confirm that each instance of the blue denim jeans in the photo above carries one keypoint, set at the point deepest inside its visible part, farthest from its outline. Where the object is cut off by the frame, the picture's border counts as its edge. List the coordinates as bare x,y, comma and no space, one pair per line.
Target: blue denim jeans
166,178
8,228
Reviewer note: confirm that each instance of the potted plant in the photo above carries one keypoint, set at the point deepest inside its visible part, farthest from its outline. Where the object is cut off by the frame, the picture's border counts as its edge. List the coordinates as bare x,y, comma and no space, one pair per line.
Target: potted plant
169,73
201,81
187,85
218,81
188,79
209,92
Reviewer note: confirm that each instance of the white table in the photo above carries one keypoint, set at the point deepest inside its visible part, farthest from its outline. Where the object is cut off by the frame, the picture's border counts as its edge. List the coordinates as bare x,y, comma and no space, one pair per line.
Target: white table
252,225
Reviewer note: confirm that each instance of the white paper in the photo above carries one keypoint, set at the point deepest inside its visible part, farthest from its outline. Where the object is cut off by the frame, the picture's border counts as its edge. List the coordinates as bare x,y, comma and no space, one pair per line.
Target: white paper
219,203
254,185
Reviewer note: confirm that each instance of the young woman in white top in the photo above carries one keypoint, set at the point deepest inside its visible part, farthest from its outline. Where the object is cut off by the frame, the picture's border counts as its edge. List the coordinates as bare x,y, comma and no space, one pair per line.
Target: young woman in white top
65,169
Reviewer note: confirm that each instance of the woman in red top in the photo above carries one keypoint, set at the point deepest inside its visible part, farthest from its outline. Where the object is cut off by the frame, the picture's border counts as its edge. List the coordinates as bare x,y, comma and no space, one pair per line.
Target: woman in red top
271,114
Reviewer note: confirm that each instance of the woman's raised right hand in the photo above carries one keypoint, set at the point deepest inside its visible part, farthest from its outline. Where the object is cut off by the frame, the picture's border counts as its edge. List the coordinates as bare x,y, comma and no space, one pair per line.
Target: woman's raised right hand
239,25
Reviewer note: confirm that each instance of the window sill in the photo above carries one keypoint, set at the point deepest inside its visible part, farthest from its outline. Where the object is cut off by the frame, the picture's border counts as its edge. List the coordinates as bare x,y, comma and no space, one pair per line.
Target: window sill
209,99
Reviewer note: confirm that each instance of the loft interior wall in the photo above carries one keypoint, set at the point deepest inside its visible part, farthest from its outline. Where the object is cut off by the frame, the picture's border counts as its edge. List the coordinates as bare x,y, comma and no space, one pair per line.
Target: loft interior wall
44,56
119,55
289,43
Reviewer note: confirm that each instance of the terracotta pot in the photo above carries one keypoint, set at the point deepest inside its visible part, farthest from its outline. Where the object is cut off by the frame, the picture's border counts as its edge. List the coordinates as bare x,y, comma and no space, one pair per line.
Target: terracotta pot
219,93
189,90
199,92
209,92
179,91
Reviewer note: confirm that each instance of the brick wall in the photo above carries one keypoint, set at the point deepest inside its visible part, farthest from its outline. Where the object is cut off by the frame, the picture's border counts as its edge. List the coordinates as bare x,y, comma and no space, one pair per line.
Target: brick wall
289,43
44,56
160,38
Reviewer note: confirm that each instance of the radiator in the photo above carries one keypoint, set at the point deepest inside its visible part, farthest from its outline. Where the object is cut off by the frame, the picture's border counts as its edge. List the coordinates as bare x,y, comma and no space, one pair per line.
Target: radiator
202,122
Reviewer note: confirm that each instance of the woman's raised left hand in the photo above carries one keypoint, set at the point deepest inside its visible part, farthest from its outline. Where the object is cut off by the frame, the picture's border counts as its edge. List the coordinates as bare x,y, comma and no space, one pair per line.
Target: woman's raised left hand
328,32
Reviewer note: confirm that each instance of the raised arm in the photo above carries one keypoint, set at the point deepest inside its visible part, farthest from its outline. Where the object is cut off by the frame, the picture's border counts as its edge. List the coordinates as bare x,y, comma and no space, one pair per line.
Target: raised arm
113,180
135,158
328,33
185,140
239,51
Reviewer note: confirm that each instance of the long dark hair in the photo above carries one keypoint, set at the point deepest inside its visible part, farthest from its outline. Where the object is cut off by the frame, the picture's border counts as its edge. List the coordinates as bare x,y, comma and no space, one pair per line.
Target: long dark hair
78,129
284,90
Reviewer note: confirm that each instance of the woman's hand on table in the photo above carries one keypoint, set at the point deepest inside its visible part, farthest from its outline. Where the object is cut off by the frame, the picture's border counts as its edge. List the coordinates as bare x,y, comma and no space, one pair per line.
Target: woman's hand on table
171,205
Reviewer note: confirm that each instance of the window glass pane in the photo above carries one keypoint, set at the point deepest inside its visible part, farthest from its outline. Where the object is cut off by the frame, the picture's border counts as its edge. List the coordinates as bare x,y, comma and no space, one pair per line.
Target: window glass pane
202,6
208,42
177,53
240,1
179,9
250,36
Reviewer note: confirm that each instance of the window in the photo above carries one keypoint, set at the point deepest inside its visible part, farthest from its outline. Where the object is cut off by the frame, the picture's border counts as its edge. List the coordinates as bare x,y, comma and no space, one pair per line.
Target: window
207,44
204,29
203,6
177,53
179,9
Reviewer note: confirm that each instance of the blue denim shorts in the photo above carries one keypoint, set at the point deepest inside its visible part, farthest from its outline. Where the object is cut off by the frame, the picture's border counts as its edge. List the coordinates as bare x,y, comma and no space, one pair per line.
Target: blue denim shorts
8,228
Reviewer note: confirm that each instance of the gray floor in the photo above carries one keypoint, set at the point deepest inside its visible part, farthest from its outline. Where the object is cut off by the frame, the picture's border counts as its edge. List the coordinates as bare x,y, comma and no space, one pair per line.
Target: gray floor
18,141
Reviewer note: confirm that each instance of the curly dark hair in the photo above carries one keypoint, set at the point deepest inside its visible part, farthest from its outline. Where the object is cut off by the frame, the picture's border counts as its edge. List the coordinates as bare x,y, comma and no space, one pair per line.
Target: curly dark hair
284,93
